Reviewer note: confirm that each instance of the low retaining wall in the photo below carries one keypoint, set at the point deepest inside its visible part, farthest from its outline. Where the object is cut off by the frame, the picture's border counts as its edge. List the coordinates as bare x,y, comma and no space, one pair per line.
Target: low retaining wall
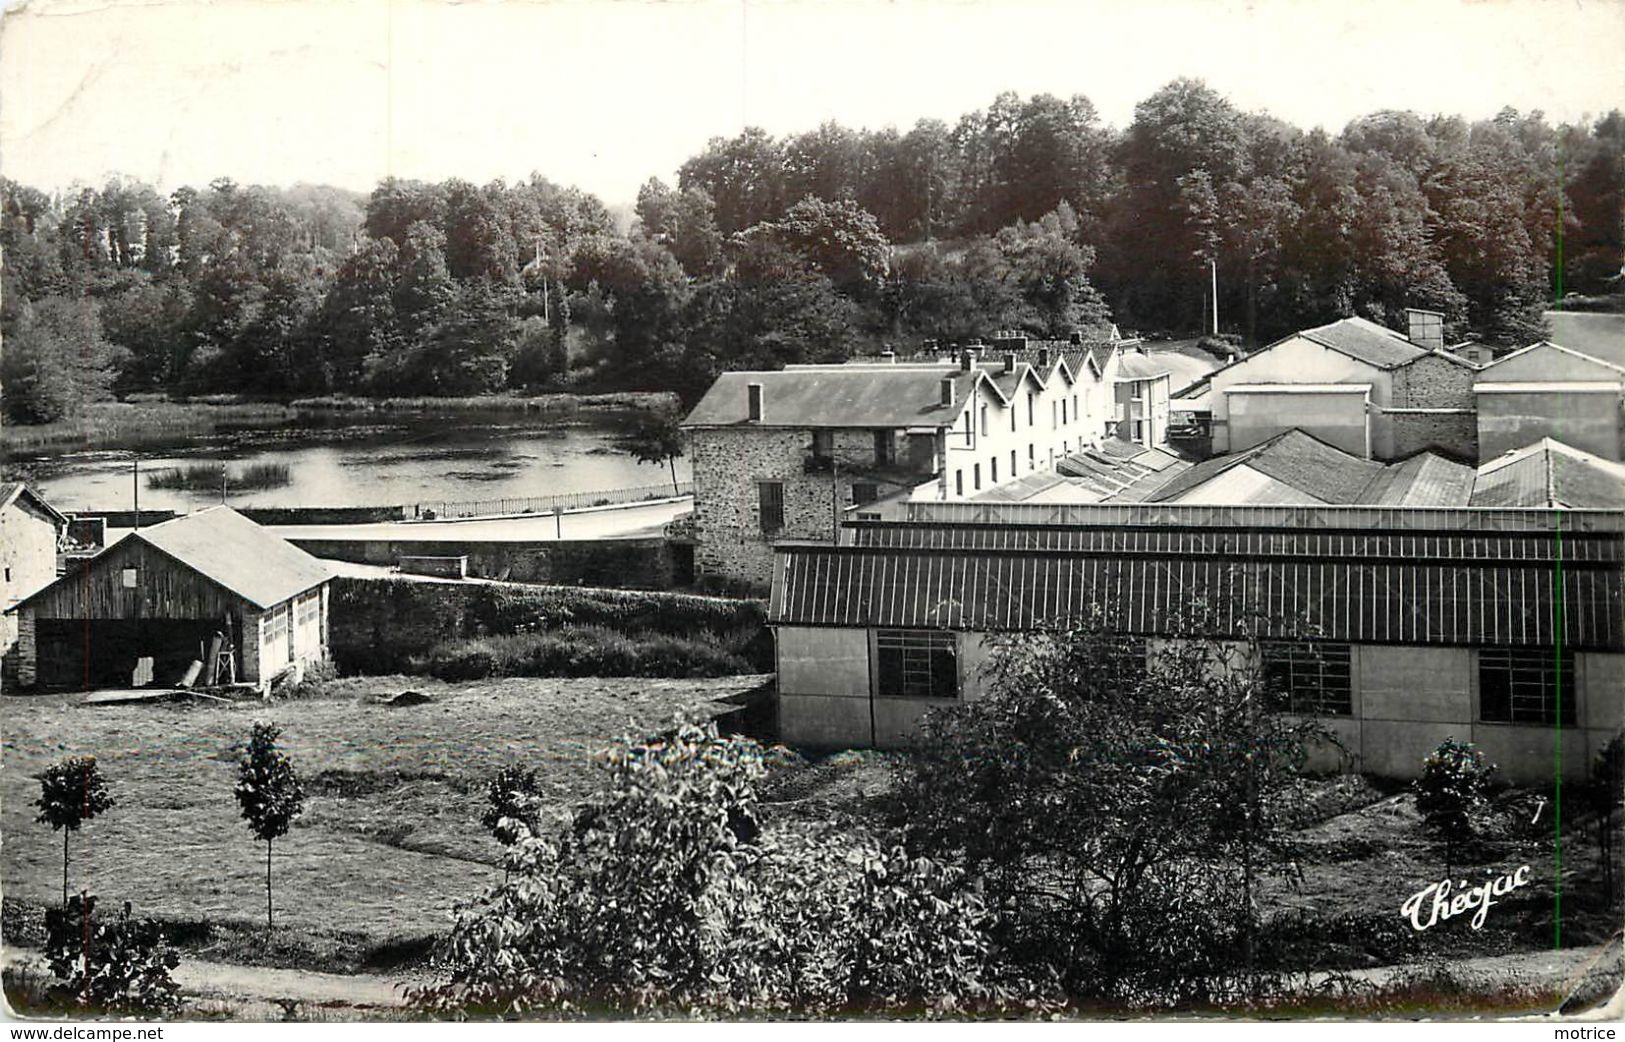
632,564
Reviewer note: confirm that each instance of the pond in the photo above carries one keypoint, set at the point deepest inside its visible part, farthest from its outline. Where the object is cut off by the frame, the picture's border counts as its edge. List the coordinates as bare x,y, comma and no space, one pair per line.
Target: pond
406,459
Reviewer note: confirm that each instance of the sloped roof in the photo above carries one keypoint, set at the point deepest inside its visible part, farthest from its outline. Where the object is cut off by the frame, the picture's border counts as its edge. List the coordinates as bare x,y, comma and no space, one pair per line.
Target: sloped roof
1592,333
1550,474
1365,340
12,491
838,396
1141,367
1425,480
1603,366
231,551
238,554
1293,458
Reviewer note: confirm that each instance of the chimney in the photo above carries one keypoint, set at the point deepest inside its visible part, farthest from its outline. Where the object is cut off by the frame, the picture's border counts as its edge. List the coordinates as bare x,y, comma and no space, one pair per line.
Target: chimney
947,390
1043,358
964,361
1425,329
753,394
1075,337
1009,363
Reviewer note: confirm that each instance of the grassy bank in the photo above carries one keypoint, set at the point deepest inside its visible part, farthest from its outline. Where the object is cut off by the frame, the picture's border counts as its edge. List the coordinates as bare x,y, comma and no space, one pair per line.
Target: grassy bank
390,839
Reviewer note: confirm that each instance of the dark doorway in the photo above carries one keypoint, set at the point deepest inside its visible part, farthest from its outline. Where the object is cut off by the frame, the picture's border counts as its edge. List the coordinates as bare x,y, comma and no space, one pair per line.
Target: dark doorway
81,654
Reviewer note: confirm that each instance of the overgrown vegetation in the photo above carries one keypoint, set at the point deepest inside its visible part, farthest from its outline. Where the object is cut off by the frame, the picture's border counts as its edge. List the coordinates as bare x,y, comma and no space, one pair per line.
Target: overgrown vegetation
579,651
108,965
386,625
664,892
209,477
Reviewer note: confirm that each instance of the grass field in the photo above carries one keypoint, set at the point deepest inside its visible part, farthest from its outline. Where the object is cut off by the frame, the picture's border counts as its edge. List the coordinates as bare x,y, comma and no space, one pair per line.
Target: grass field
390,839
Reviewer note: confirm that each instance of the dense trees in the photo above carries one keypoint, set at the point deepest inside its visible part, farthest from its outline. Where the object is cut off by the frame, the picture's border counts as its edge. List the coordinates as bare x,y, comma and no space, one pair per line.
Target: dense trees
1030,214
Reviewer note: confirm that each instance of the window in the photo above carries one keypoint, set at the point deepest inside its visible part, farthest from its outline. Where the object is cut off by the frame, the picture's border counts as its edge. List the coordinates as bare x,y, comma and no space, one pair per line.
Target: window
864,493
276,628
1139,430
916,664
1075,413
1521,685
1012,417
883,448
770,497
970,435
1029,408
130,577
959,483
993,465
1013,470
1032,464
1309,679
1053,412
976,474
8,574
983,428
1063,412
823,444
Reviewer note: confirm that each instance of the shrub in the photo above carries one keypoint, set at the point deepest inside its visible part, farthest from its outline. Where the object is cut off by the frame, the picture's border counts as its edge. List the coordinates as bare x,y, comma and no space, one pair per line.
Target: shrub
115,966
1452,786
665,892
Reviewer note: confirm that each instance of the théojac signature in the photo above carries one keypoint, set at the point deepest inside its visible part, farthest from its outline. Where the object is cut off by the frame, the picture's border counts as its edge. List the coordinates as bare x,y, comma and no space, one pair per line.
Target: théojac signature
1443,900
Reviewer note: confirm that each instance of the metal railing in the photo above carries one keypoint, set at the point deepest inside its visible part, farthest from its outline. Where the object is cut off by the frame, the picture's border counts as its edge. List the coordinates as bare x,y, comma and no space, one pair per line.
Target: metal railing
450,509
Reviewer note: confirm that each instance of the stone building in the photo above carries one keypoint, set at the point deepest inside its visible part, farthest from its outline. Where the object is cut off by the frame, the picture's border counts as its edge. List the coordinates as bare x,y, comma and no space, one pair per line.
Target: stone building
1395,628
790,454
31,531
158,599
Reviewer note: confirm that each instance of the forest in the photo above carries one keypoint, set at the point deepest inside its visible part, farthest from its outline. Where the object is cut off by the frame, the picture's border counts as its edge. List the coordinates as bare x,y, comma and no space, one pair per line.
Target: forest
1031,214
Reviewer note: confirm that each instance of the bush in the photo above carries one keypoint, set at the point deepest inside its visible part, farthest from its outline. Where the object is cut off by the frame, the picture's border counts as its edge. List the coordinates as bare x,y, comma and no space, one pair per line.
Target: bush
666,892
114,966
1223,347
1452,786
579,651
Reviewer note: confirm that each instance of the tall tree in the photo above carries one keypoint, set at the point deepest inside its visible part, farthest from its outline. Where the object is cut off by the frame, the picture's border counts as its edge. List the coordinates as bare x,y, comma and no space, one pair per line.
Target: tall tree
268,794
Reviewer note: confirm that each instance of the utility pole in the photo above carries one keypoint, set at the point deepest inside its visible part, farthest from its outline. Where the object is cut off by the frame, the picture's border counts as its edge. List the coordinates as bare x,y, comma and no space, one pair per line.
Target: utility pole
135,480
1213,269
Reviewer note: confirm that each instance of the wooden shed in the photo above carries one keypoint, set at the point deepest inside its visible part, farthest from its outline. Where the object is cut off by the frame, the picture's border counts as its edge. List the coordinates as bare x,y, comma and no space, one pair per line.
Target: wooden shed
172,594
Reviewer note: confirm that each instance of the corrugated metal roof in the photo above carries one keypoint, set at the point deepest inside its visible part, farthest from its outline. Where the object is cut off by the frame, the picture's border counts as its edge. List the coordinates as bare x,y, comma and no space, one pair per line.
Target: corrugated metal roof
1594,333
1363,598
837,396
1425,480
1366,341
1349,517
238,554
1550,474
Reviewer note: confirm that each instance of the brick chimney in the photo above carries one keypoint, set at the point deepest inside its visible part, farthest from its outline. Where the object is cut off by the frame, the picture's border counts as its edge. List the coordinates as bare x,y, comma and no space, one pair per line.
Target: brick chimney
947,390
1043,358
1009,363
964,361
1425,329
1075,337
753,402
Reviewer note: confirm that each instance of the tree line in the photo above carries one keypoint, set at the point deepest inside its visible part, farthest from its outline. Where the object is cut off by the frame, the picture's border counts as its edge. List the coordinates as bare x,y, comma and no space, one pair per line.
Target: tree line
1031,215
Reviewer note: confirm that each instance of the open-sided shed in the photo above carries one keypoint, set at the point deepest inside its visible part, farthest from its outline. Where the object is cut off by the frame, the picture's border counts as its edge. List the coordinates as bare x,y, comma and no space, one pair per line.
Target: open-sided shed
166,593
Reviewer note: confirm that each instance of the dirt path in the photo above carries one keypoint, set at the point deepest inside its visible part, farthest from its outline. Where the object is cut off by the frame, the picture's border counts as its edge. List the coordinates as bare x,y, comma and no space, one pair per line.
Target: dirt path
257,992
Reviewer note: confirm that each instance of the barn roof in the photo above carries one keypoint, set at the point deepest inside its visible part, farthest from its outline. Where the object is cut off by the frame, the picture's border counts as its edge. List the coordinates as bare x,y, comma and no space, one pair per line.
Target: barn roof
13,491
1375,586
229,550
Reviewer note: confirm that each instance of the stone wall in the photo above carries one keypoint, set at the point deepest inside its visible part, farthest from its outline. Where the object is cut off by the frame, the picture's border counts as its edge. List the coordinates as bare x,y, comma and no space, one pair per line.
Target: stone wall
728,467
1402,434
1432,382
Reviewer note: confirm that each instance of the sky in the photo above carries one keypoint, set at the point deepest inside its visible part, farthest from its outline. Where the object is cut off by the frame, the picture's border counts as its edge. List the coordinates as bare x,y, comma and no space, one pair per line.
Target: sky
605,94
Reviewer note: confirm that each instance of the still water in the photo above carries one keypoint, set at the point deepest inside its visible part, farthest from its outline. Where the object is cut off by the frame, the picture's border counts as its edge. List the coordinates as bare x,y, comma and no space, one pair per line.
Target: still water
405,461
